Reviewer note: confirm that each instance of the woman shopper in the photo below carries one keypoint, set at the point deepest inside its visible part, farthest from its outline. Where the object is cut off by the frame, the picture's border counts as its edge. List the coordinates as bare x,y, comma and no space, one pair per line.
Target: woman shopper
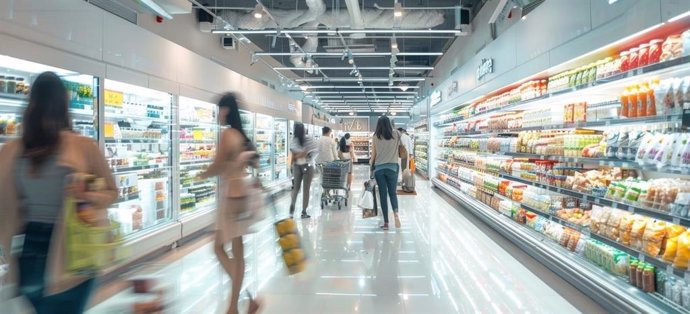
385,163
235,153
35,173
303,150
347,152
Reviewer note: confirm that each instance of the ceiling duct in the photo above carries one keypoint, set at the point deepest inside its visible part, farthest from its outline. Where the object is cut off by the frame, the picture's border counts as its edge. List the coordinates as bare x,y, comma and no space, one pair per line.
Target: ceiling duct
353,45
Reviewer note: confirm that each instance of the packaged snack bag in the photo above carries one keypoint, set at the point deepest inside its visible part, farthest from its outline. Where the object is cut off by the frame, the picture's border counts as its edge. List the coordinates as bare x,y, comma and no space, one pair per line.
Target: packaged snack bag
626,228
653,237
663,95
678,95
663,157
679,147
682,251
637,231
646,145
613,224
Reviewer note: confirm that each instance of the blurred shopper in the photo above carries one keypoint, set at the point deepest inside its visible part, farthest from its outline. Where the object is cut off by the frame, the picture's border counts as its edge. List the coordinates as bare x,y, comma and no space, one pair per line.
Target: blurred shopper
235,152
385,163
303,151
327,148
35,176
346,151
406,140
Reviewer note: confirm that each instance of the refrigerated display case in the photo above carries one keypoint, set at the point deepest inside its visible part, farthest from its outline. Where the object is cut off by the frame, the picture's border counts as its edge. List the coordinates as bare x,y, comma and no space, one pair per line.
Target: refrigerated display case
263,136
248,123
362,145
138,146
586,170
16,78
421,149
198,138
280,141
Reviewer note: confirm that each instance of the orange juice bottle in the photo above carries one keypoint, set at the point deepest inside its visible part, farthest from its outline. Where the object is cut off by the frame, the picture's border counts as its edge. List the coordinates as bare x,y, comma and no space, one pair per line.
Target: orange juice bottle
625,98
651,100
642,100
632,102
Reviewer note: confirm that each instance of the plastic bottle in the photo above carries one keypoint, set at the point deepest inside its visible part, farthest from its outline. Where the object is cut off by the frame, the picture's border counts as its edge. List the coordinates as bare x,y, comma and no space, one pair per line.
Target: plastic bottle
642,100
648,280
633,102
685,297
632,273
651,100
625,99
668,287
639,273
677,291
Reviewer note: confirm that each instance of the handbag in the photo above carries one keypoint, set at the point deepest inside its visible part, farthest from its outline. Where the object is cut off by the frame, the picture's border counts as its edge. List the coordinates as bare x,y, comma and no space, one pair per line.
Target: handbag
402,151
368,200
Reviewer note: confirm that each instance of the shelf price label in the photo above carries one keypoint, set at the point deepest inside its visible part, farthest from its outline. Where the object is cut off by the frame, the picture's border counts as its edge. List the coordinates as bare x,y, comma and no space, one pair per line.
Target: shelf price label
113,98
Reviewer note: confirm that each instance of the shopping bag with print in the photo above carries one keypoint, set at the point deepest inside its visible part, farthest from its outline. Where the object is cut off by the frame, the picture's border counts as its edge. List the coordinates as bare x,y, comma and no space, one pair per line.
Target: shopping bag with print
92,241
290,242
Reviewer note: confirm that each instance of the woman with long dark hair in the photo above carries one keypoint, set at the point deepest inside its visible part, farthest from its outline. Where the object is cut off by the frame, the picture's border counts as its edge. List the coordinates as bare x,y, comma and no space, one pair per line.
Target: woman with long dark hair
35,174
303,150
235,152
385,160
347,152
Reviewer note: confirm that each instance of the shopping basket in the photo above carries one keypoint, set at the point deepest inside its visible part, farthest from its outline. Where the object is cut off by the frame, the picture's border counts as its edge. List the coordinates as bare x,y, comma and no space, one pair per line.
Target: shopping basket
334,178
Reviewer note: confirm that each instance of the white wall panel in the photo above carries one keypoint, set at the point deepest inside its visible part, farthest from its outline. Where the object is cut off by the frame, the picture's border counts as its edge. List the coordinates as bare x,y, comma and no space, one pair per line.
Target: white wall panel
69,25
12,46
198,94
671,8
164,85
123,75
550,25
128,46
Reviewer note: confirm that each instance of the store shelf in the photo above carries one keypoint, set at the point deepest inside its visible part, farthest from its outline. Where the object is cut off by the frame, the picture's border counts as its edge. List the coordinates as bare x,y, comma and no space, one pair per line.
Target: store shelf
199,141
136,141
120,170
196,162
7,138
675,65
609,290
119,116
604,201
610,162
191,124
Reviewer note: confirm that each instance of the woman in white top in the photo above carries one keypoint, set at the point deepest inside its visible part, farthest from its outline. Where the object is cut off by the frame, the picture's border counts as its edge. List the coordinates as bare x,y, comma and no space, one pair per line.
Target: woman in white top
347,152
303,150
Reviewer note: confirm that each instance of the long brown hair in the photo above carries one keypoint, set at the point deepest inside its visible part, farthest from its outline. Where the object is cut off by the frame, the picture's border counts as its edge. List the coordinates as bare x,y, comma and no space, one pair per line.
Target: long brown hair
384,128
46,115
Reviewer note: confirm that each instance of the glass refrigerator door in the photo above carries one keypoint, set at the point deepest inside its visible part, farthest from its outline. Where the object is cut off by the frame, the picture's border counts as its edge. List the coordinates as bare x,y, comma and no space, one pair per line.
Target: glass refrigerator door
280,136
263,139
16,78
137,132
248,126
198,139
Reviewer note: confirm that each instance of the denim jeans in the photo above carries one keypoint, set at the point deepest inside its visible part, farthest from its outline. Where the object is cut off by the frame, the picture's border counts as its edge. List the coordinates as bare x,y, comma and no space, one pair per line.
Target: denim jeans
32,274
387,180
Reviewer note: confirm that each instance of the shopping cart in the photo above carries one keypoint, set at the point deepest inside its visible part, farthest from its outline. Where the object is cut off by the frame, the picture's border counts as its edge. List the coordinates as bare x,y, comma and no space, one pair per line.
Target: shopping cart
333,179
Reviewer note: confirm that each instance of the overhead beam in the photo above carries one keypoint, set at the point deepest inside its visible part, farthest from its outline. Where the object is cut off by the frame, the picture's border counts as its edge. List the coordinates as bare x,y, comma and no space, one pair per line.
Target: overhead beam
359,93
340,54
367,79
350,68
350,87
455,32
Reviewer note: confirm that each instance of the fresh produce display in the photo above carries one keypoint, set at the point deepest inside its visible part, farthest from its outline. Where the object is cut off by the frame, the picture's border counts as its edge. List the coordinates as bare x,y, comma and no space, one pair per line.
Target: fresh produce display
421,147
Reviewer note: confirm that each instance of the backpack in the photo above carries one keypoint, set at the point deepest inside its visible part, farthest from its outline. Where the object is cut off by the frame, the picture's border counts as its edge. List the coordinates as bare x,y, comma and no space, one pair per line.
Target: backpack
408,181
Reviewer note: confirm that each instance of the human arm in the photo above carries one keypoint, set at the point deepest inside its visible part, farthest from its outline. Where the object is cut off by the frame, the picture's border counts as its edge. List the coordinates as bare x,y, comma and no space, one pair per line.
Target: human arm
98,167
223,149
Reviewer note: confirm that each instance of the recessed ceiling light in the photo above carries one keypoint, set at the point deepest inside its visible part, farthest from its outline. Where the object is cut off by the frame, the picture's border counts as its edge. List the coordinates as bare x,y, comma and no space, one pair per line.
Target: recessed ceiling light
397,10
258,11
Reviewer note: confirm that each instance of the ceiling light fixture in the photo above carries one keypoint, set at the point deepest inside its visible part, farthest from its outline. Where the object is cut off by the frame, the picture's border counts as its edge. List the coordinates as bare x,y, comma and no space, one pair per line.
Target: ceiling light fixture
258,11
304,87
394,45
403,86
397,10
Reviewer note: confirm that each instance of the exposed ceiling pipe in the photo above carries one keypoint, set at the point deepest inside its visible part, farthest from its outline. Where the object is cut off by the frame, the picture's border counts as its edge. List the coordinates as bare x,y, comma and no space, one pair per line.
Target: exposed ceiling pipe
354,54
356,21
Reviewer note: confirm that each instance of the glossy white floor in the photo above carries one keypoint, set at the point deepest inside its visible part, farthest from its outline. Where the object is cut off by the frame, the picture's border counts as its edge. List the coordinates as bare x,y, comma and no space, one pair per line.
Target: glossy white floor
441,261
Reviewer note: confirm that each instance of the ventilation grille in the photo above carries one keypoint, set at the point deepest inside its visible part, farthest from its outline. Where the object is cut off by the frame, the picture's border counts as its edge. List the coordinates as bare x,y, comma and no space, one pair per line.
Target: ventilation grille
116,8
531,6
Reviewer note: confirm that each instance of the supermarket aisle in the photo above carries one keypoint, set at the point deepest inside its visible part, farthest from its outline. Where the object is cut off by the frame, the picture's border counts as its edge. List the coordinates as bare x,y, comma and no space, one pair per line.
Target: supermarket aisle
439,262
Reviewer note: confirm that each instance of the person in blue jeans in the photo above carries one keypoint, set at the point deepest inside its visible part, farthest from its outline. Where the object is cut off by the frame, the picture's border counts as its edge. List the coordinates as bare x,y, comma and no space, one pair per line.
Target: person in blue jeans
385,162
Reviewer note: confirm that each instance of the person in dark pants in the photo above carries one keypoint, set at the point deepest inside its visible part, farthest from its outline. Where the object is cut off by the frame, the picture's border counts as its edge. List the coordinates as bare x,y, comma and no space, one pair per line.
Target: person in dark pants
304,150
35,175
385,161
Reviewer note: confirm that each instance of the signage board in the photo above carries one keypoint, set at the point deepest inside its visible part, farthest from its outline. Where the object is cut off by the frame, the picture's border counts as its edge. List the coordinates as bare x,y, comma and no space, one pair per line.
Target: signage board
435,97
486,66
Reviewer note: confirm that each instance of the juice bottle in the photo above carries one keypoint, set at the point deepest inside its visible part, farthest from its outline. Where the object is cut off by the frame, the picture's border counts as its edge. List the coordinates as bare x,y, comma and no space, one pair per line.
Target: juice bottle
625,98
651,100
642,100
648,280
639,274
632,273
632,102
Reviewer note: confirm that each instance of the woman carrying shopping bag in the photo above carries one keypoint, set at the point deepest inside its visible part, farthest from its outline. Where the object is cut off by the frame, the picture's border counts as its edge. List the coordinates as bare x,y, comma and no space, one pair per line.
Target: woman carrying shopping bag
237,208
34,172
385,159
